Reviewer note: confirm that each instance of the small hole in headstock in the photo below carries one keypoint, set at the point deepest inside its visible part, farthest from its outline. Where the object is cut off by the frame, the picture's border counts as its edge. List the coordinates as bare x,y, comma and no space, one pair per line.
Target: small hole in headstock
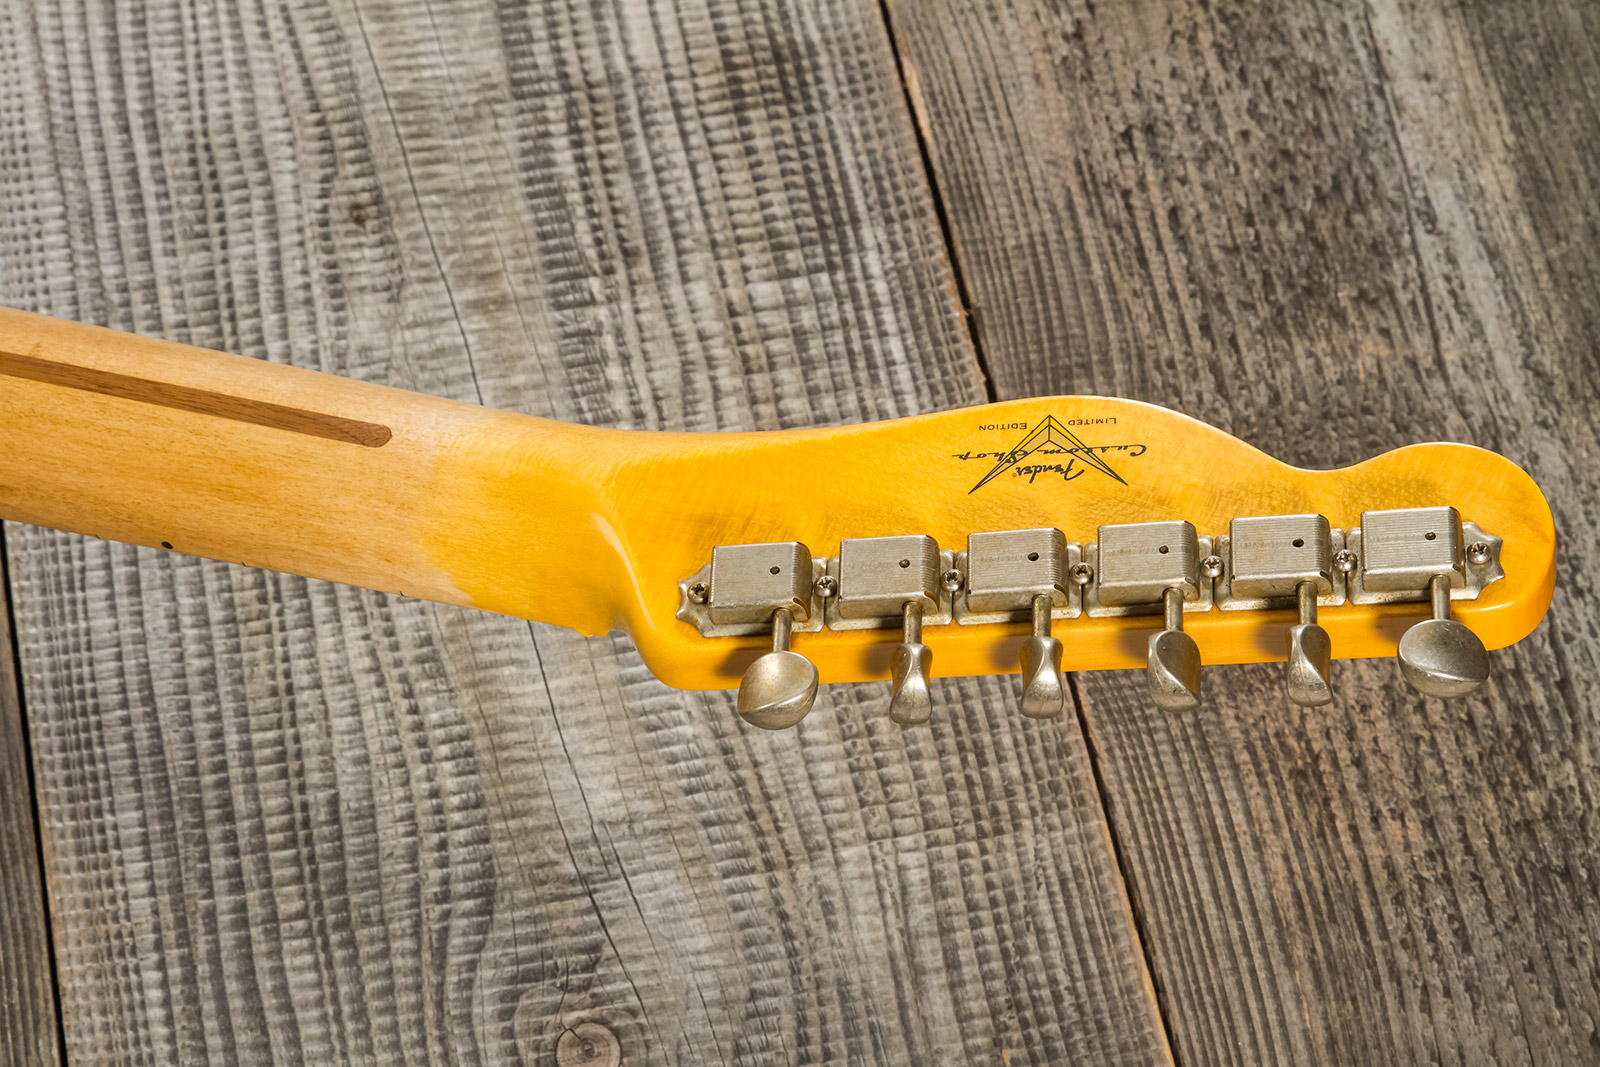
1163,550
1430,536
775,570
1299,542
1033,557
904,564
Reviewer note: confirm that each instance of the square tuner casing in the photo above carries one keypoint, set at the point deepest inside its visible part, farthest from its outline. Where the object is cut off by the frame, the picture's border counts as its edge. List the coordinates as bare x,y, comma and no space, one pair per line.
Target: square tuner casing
878,575
750,582
1267,557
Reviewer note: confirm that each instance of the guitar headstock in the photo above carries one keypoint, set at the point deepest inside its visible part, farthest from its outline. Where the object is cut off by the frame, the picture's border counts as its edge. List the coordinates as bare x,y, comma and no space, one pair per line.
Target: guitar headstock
1042,535
1065,533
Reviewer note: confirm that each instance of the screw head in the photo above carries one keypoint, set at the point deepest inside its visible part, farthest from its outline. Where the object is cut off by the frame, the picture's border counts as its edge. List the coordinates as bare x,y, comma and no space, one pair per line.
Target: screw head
827,586
1344,561
953,580
1211,567
1478,553
1081,573
699,593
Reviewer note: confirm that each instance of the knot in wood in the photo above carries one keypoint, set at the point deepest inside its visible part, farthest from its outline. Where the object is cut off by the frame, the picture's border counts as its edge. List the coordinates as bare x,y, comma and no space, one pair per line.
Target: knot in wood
589,1044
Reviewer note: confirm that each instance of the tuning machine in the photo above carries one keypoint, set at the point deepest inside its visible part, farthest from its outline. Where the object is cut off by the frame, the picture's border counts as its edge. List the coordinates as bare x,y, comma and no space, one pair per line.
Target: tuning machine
1023,575
1428,554
759,585
1278,561
1142,568
1035,576
887,581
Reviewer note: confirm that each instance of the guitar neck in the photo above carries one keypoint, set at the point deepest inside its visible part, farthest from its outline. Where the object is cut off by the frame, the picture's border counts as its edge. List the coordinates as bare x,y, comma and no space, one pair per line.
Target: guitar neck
180,448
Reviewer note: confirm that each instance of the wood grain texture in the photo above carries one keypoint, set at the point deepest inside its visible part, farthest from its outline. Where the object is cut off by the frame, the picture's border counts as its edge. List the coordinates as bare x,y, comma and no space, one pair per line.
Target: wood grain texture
206,402
1329,230
29,1028
291,822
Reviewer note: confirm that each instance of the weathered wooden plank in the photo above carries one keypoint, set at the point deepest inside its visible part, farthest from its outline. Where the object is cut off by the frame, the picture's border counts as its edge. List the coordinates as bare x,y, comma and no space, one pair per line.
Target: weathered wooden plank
1329,230
29,1029
294,822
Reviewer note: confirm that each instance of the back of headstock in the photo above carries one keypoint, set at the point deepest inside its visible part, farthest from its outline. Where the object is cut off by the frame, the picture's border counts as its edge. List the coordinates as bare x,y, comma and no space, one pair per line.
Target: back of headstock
1064,533
1067,533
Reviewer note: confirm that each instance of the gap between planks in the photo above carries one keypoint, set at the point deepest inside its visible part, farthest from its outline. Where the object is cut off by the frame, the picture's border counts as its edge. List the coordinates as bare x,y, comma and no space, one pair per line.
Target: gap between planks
12,693
917,111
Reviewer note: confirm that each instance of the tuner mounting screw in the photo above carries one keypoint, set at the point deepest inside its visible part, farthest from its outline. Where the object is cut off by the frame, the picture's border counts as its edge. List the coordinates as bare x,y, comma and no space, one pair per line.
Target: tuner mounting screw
1211,567
1478,553
1081,573
953,580
698,593
827,587
1344,561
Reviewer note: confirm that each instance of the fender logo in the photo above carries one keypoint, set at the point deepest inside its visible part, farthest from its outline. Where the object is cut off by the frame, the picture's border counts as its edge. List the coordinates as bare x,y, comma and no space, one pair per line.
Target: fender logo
1051,438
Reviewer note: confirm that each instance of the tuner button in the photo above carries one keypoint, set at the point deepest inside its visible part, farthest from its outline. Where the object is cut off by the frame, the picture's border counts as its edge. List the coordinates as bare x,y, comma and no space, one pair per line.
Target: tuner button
1310,653
911,704
884,577
1440,657
1173,669
1043,696
1022,574
778,689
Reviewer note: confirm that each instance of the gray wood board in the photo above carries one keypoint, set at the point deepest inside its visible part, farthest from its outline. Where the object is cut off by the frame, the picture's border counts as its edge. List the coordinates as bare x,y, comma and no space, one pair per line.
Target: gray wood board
29,1029
293,822
1330,230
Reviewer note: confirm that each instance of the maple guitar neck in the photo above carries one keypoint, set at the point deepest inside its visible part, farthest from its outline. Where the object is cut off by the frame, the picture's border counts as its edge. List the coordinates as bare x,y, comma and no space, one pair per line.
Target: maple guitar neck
160,444
179,448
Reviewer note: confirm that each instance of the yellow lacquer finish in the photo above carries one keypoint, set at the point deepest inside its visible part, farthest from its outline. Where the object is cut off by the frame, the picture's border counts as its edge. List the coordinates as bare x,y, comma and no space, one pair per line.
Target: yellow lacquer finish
160,444
659,503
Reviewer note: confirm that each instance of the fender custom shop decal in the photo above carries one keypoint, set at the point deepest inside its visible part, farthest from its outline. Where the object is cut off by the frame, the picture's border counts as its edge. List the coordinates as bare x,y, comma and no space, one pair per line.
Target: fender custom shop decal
1051,450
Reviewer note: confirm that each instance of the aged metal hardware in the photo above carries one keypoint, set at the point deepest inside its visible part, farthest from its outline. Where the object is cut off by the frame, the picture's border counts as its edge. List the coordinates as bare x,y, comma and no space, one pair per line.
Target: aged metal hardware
1263,562
1275,561
1132,575
773,584
1402,549
1043,696
1005,570
1137,562
1439,657
1310,653
909,666
745,592
1407,559
778,689
750,582
877,576
1025,572
887,581
1268,557
1154,566
1173,664
1419,554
